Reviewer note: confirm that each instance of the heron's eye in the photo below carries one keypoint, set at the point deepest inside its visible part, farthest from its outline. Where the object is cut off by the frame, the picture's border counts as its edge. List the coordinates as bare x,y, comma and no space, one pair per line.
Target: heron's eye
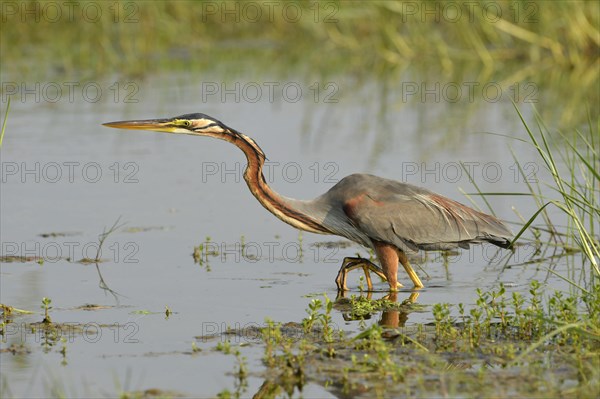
182,123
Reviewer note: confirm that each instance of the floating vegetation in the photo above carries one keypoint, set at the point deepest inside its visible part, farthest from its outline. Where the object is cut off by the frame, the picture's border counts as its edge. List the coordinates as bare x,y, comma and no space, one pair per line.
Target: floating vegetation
506,345
144,229
21,259
55,234
341,244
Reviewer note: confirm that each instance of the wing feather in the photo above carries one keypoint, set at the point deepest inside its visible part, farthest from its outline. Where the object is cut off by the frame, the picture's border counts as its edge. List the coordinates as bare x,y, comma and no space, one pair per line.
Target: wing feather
412,217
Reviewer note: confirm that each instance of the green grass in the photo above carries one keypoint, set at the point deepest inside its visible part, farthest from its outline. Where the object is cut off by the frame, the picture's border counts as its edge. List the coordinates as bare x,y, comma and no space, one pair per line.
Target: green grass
4,122
370,35
517,345
534,48
575,192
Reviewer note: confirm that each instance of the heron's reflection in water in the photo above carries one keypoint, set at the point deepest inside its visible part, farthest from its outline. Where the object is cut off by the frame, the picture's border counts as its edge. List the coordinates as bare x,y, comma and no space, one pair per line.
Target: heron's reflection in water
390,318
397,318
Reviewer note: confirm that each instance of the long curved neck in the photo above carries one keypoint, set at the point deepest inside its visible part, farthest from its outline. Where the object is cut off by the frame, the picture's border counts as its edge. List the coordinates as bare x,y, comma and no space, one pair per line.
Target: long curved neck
271,200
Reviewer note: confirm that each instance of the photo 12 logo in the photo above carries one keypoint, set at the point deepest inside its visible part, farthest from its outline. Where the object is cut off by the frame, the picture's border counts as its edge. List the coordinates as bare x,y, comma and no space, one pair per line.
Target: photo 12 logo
91,332
468,92
264,252
468,11
269,11
68,172
71,251
253,92
71,92
53,12
290,172
454,172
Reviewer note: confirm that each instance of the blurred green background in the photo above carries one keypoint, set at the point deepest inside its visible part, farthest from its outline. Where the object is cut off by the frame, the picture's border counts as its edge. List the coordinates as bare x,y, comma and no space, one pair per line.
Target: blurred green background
544,52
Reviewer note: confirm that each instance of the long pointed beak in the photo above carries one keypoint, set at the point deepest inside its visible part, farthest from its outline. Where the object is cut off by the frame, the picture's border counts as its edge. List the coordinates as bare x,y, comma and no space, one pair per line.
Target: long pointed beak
159,125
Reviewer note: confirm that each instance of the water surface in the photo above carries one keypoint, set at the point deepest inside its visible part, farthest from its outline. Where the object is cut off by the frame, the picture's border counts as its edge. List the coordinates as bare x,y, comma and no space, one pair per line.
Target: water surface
65,173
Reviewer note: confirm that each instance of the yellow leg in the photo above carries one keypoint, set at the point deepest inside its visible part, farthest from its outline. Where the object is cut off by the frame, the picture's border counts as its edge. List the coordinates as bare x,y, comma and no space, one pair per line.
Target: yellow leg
368,277
409,270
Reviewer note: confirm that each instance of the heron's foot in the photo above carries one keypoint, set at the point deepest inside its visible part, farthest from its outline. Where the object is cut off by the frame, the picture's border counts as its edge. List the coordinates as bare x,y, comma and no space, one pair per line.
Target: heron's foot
397,288
350,264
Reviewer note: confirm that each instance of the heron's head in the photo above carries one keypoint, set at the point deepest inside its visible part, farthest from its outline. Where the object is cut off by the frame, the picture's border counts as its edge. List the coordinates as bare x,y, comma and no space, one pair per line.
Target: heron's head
196,124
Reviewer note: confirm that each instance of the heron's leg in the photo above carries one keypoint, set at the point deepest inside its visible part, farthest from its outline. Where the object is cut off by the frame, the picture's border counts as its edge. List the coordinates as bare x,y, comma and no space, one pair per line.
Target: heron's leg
367,277
388,257
347,265
409,270
370,266
350,264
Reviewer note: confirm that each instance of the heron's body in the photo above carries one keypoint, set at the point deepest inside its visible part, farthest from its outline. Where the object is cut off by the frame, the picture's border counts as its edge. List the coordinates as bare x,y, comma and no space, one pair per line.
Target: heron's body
390,217
366,208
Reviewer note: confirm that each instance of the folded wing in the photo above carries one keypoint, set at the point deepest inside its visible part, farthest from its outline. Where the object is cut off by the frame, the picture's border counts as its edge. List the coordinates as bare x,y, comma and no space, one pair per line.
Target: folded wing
413,218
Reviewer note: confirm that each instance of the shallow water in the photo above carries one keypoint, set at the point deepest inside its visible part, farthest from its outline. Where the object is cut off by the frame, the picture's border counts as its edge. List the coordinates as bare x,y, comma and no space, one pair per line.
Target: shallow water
62,172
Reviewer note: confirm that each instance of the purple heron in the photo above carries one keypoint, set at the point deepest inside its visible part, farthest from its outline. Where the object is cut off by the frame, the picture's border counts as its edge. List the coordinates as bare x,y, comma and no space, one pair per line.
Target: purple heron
390,217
